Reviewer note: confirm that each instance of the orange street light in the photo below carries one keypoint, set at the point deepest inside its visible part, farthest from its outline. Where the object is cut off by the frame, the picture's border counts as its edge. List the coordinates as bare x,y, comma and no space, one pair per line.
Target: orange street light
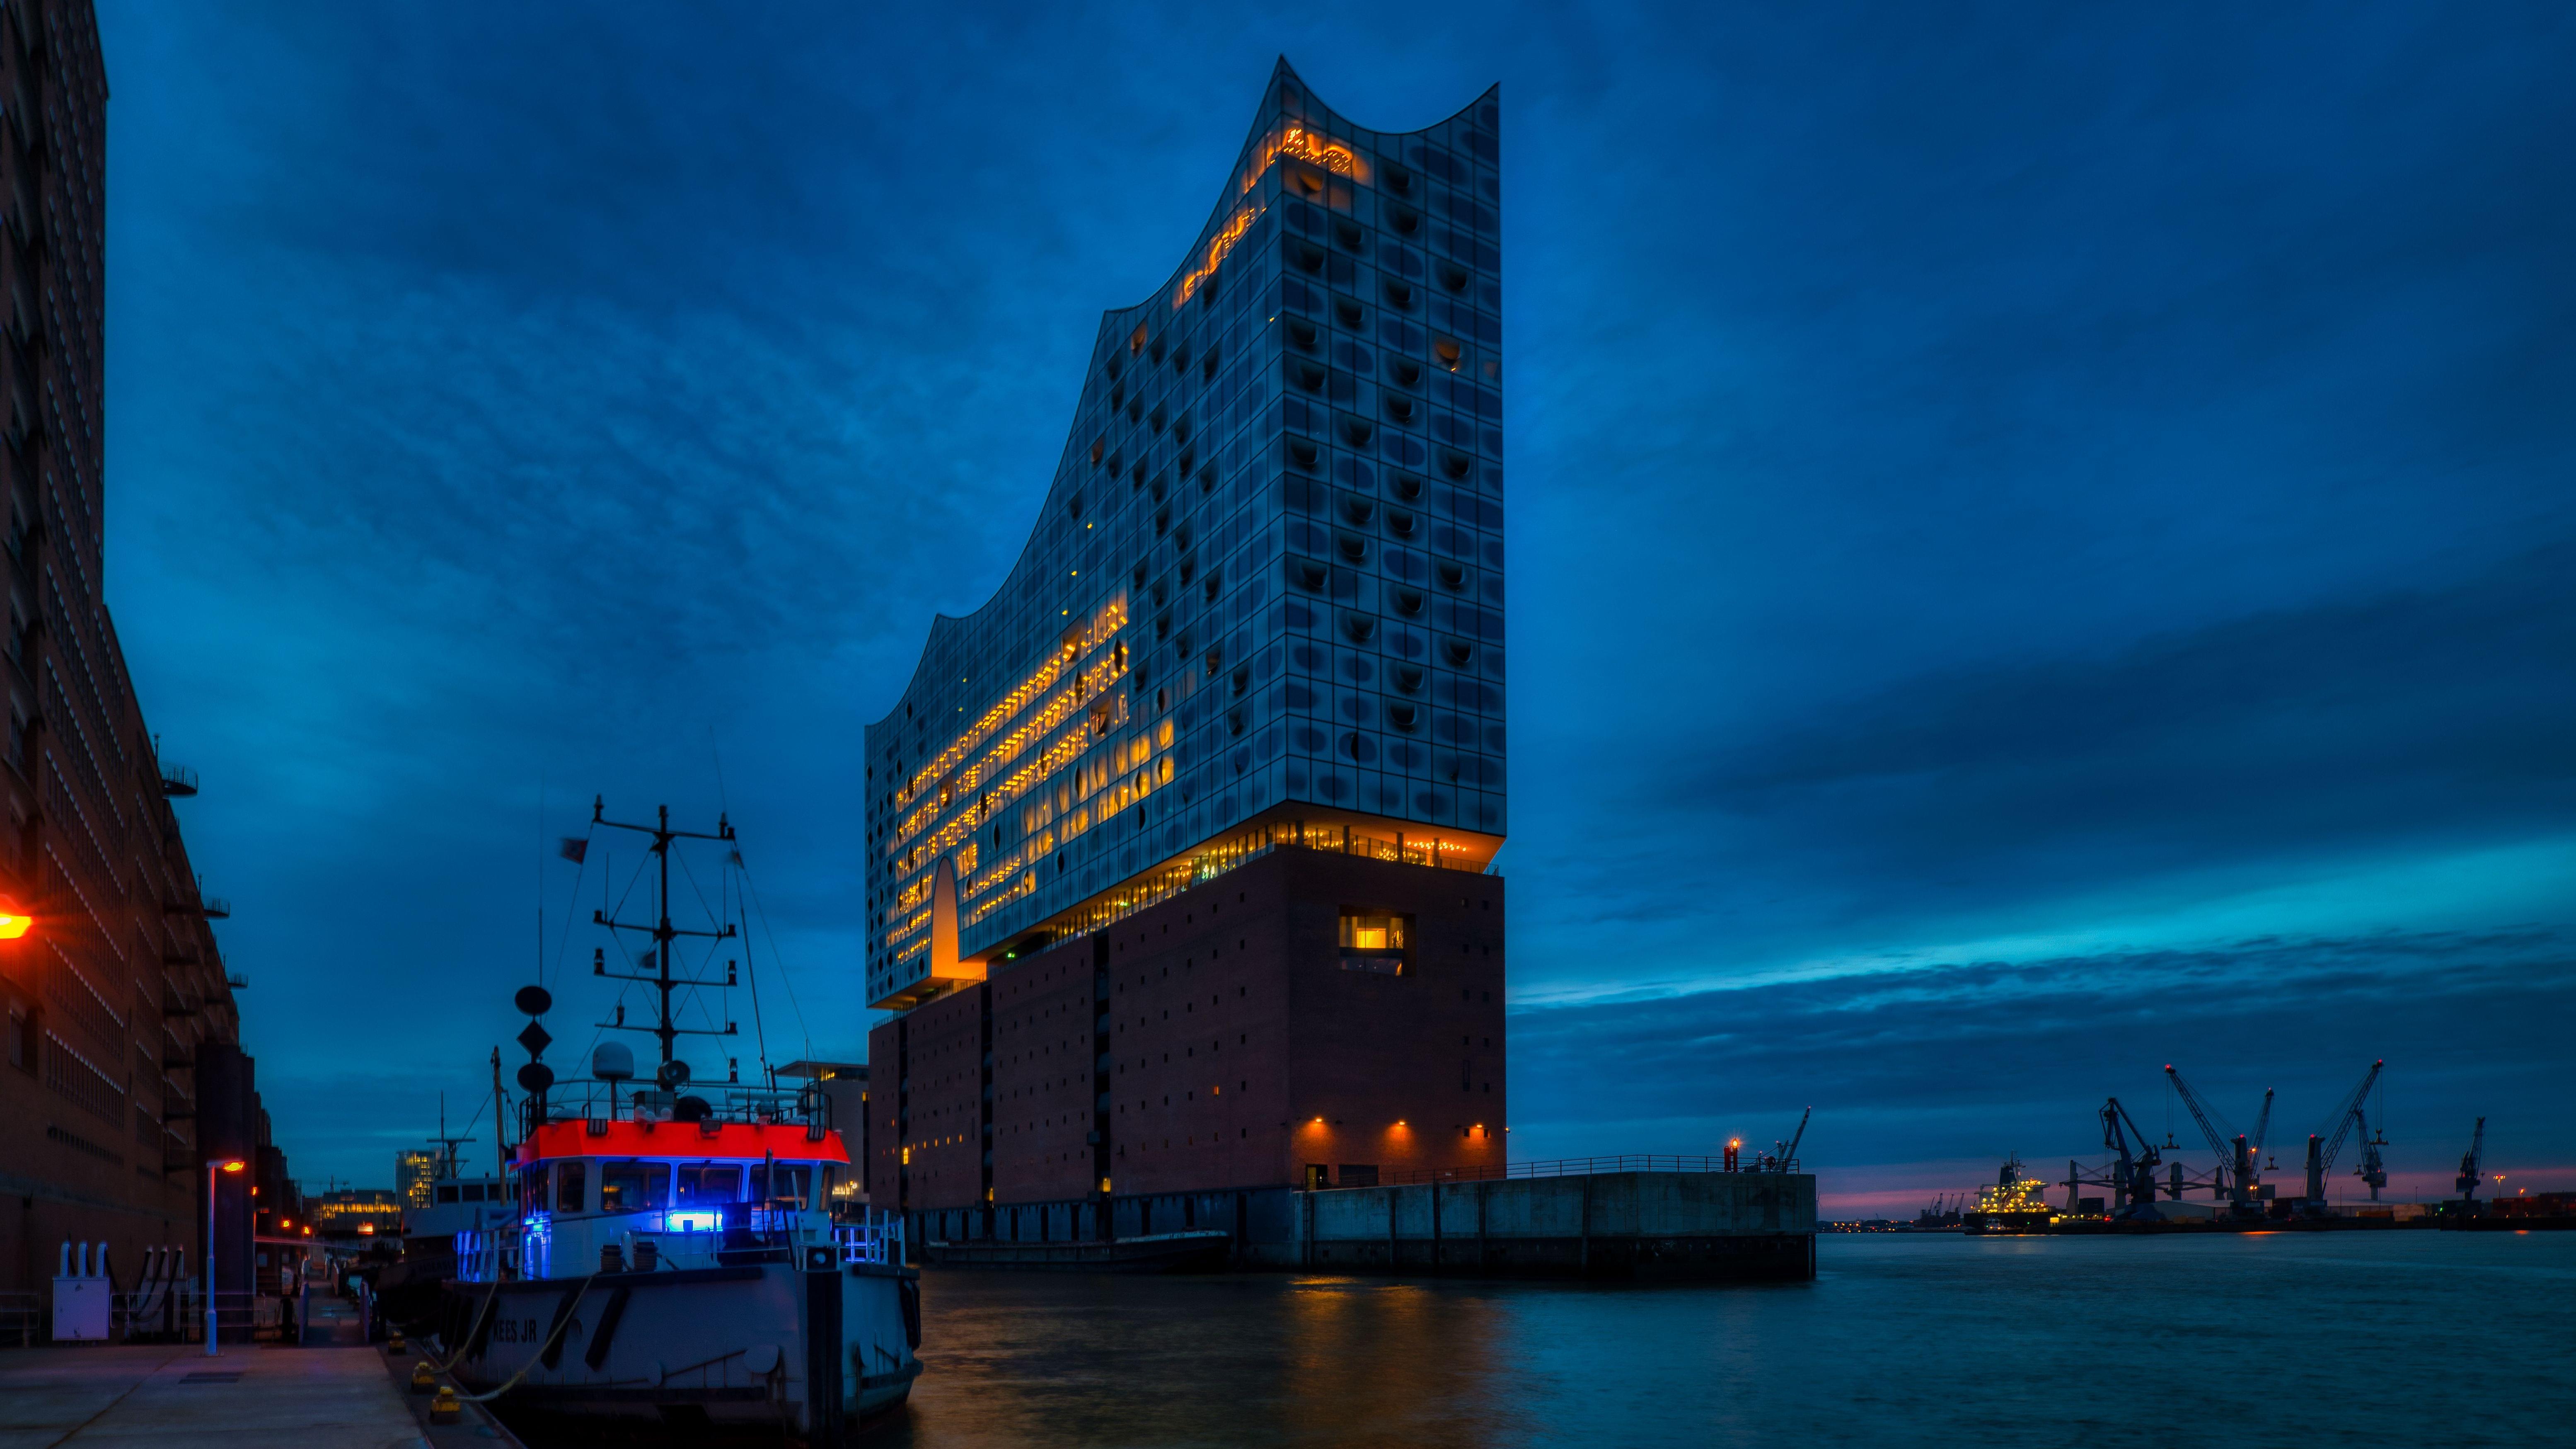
213,1166
14,920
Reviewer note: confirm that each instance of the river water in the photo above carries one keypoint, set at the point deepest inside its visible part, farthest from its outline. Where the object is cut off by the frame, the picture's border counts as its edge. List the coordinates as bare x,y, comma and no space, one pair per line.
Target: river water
2308,1339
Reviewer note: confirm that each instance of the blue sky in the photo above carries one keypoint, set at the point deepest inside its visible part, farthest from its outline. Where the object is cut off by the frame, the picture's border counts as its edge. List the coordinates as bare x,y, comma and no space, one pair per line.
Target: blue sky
2042,545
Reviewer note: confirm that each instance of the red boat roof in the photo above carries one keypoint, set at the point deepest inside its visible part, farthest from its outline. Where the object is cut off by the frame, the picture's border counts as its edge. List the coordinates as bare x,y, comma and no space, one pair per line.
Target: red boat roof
682,1140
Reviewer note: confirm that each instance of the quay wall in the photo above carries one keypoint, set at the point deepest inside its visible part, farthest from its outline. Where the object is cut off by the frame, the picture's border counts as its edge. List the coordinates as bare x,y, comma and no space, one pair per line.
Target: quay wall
1642,1224
1611,1224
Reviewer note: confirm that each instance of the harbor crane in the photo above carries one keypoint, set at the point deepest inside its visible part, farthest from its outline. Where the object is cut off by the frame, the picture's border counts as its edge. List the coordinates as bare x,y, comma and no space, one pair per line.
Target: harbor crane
2135,1183
1787,1158
2373,1172
2322,1150
2472,1162
2240,1158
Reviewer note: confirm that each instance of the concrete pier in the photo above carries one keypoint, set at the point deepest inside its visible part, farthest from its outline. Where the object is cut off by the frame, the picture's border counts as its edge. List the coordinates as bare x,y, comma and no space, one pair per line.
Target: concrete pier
1615,1224
107,1397
1640,1223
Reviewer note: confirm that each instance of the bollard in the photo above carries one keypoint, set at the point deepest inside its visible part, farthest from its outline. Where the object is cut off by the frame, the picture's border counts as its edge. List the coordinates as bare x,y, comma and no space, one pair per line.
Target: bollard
421,1380
444,1408
394,1347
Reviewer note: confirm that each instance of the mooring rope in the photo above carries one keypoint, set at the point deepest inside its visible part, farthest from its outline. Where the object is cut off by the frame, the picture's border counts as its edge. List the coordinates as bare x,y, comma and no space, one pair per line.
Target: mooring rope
512,1381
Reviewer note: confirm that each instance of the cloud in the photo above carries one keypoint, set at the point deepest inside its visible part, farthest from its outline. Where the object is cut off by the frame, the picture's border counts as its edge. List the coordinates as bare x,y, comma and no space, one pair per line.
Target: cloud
1970,1061
2344,730
1967,481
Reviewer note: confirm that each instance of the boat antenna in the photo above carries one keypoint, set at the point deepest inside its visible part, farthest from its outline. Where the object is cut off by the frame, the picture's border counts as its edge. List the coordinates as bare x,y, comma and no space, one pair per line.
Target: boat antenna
663,933
500,1120
447,1145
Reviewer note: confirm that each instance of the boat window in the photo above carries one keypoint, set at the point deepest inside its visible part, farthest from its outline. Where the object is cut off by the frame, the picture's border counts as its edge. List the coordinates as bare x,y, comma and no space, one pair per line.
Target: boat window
532,1190
472,1192
706,1183
792,1181
570,1179
447,1192
630,1187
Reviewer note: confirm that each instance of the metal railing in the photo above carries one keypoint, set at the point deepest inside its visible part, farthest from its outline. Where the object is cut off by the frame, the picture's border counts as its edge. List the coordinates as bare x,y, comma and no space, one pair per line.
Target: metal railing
18,1319
1585,1167
159,1312
582,1099
512,1251
875,1238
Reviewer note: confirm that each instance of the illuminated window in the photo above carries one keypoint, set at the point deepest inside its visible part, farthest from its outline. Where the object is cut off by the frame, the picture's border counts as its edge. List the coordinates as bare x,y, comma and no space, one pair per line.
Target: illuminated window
629,1187
709,1183
1375,941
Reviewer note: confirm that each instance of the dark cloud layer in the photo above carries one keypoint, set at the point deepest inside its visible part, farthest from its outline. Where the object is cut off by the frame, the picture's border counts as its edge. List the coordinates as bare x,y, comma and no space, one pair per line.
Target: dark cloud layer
2077,491
1972,1061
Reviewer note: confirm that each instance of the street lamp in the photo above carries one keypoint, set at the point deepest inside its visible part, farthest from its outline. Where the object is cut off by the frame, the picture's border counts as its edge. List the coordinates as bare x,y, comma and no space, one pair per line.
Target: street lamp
213,1166
14,919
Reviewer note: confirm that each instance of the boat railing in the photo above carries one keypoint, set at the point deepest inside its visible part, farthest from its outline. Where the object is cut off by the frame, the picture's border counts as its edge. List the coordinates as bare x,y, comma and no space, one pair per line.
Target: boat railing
578,1100
516,1250
483,1254
873,1237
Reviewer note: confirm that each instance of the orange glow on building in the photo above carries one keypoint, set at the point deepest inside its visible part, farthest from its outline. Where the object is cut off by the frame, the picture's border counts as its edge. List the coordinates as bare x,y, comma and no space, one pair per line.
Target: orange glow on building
1217,248
1302,144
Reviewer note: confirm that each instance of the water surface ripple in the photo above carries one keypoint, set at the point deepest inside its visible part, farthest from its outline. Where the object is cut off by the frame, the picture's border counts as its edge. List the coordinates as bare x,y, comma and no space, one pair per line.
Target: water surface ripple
2350,1338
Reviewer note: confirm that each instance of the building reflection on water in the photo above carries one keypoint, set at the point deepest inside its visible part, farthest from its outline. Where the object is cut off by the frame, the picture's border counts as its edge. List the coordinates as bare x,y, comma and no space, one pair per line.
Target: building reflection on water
1252,1360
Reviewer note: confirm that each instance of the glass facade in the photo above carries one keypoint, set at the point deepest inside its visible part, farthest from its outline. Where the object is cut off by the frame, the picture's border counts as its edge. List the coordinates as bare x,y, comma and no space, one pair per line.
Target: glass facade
1263,602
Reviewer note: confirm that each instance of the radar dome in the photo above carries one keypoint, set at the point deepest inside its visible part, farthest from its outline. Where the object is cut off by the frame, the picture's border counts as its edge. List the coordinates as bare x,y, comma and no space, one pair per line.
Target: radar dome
612,1062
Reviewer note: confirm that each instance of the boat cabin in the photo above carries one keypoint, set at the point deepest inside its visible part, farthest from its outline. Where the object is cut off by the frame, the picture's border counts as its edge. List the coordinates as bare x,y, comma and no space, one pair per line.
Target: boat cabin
616,1195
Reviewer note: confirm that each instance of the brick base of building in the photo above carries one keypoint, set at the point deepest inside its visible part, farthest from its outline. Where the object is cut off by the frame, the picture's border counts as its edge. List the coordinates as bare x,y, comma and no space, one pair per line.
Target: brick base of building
1218,1043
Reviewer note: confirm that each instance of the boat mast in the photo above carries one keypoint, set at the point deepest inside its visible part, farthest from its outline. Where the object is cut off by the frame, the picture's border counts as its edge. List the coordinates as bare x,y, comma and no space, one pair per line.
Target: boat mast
662,932
500,1120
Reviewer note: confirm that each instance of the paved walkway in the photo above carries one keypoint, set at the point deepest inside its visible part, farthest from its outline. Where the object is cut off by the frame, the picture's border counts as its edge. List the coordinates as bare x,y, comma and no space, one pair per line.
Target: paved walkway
131,1397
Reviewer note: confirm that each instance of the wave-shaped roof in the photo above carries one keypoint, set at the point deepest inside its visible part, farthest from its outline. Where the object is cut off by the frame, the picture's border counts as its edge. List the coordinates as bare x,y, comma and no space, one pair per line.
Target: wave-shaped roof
1289,122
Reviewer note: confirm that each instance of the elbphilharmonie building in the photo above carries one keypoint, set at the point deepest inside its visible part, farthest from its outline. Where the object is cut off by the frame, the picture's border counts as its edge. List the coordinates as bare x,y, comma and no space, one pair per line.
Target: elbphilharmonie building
1179,847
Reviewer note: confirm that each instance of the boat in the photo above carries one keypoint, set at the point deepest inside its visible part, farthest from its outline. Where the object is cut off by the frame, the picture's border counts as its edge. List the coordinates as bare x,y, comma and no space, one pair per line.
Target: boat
679,1253
409,1287
2012,1203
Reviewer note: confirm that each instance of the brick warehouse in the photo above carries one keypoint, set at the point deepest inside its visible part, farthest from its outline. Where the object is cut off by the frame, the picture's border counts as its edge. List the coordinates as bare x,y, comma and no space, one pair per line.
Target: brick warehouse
1238,1053
123,1069
1180,846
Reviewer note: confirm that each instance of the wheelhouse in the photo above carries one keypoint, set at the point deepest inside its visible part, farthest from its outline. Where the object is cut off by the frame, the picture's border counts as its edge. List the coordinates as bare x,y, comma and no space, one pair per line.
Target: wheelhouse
640,1192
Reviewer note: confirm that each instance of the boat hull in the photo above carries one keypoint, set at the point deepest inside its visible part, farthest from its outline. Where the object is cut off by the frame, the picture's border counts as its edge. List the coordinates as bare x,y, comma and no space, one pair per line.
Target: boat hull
814,1351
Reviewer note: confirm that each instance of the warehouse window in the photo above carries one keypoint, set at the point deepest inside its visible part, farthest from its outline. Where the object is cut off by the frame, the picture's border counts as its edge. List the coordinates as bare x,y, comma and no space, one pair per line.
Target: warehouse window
1373,940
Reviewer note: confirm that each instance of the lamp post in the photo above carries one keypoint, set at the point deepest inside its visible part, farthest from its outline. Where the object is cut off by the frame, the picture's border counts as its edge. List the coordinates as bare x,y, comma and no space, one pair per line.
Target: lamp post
213,1167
